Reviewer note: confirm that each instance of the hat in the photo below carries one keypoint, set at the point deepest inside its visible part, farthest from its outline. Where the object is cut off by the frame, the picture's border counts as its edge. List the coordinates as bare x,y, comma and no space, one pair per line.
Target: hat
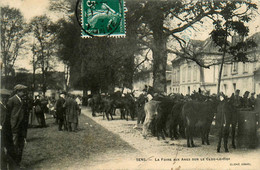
5,92
247,92
20,87
63,92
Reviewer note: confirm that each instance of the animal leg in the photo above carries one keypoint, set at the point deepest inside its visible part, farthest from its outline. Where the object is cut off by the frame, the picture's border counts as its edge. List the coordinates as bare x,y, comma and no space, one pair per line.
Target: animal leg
220,138
93,112
188,136
202,135
104,115
165,133
122,112
127,113
174,129
233,135
107,112
111,116
226,134
191,139
171,132
162,132
146,124
207,136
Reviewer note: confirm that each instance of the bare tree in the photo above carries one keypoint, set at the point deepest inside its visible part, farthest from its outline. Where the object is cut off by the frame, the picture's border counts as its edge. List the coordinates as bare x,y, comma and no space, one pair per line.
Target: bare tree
12,33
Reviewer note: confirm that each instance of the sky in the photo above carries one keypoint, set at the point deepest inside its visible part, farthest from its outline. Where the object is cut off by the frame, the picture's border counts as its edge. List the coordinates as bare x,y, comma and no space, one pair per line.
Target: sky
31,8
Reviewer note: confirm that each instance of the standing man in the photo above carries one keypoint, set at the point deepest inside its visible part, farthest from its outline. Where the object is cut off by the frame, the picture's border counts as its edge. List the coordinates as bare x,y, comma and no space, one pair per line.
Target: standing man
39,112
60,112
245,100
72,108
237,99
79,102
7,144
16,109
252,100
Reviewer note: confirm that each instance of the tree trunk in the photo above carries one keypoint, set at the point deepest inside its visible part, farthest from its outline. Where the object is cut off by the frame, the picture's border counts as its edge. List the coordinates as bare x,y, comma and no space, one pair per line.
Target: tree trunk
159,53
159,68
222,63
220,72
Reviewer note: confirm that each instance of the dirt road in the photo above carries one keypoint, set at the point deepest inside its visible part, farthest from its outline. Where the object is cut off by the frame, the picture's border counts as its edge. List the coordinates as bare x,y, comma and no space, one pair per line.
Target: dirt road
154,154
102,144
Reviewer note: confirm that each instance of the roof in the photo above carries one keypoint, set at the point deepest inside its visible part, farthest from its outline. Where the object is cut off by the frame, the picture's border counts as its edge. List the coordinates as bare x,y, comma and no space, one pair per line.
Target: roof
209,48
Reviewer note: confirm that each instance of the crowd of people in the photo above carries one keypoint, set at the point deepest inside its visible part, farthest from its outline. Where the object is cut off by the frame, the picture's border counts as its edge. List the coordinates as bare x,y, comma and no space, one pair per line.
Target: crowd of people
18,112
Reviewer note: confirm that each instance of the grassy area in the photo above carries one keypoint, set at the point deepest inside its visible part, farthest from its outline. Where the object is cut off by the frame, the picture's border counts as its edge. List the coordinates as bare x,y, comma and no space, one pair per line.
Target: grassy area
48,148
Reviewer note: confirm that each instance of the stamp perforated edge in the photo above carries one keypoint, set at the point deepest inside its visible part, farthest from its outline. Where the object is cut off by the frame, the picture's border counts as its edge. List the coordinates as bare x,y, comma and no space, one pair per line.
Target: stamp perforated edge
105,35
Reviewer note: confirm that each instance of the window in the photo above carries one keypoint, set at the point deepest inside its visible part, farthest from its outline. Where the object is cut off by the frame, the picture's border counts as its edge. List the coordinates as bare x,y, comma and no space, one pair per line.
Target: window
234,86
245,67
195,73
184,74
225,88
174,76
234,67
178,76
224,70
189,73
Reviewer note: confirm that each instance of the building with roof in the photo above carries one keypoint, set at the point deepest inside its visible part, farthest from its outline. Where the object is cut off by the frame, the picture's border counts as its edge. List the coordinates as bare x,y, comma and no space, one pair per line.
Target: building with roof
188,76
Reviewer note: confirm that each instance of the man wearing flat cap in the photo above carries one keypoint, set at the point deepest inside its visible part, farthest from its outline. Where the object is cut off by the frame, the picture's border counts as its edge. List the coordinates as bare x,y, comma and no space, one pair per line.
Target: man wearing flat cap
245,100
237,99
252,100
17,113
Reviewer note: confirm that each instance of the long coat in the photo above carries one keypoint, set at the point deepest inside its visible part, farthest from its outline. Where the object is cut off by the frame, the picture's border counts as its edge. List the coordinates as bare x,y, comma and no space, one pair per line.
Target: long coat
72,109
6,135
16,110
60,110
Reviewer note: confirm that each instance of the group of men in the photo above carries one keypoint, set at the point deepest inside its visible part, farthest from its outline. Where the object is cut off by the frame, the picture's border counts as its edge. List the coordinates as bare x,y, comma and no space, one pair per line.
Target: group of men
67,112
244,102
15,112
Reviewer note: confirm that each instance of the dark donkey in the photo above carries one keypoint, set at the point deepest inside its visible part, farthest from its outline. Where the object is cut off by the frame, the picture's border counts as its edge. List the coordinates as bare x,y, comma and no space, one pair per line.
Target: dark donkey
226,116
124,102
198,114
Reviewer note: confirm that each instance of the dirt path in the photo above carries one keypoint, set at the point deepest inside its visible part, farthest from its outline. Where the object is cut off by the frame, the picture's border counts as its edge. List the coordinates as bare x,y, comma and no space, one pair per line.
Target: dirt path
50,149
154,154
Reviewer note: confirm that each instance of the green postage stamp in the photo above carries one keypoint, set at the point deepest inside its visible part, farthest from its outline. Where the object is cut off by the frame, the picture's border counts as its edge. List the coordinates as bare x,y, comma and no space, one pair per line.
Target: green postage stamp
103,18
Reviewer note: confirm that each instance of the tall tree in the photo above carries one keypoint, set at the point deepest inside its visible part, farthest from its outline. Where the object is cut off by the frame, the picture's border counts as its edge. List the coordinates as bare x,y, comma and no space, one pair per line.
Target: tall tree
231,23
155,15
105,62
12,33
44,32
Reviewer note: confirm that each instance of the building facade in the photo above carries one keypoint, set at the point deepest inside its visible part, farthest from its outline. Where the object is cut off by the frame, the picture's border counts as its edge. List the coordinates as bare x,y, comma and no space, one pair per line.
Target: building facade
188,76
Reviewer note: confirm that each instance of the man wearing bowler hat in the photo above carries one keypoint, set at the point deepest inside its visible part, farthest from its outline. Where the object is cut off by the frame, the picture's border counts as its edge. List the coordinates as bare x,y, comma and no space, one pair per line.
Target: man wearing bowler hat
17,112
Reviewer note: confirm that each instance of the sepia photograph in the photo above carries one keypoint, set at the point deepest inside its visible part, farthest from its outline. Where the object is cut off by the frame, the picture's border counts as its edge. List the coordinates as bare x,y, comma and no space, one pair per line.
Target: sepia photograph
130,84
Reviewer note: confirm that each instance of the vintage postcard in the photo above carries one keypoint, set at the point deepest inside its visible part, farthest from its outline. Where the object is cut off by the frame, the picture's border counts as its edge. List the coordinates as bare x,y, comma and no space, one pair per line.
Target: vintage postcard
130,84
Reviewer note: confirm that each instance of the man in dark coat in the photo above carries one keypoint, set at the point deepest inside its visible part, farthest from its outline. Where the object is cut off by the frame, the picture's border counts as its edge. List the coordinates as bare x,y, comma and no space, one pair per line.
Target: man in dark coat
60,112
237,99
39,112
252,100
7,145
15,107
245,100
72,109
